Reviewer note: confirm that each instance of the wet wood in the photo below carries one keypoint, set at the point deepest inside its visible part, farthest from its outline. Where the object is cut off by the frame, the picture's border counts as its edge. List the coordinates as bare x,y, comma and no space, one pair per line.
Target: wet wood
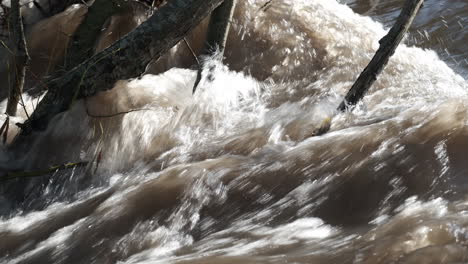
43,172
218,30
388,45
84,39
125,59
19,59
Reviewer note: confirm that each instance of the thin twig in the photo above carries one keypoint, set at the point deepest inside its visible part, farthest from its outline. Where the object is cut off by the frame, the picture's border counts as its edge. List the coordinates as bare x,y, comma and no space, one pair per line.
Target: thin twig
24,106
218,31
38,173
20,59
113,115
6,47
192,51
86,4
37,78
388,45
265,6
4,128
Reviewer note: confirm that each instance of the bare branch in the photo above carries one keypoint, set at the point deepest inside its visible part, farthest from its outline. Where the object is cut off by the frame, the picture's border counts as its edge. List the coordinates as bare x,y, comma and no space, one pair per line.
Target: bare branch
218,31
388,45
20,59
82,44
125,59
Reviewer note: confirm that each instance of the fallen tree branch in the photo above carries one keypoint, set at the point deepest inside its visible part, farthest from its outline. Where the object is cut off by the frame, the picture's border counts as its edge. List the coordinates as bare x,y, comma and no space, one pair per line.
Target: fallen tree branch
388,45
127,58
192,51
84,38
20,59
4,129
115,114
218,30
38,173
265,6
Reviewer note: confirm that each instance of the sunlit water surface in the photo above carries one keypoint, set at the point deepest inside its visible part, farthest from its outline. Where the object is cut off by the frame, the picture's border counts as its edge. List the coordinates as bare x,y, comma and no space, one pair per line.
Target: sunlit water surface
233,173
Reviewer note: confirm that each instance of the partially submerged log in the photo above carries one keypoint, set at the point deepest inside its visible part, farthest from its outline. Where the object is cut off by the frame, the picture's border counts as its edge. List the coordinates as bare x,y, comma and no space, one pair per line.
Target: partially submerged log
218,31
128,57
388,45
125,59
19,59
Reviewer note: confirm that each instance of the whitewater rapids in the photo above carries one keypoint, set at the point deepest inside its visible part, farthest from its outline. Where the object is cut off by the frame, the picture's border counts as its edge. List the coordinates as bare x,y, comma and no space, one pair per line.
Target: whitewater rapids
232,174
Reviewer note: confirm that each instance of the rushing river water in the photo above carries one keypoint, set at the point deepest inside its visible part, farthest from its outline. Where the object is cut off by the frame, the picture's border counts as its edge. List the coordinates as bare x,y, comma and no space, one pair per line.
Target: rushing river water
233,175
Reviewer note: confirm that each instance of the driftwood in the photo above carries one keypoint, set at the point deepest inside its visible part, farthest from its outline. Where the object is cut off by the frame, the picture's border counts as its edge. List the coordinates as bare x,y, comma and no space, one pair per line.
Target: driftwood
388,45
125,59
218,31
19,61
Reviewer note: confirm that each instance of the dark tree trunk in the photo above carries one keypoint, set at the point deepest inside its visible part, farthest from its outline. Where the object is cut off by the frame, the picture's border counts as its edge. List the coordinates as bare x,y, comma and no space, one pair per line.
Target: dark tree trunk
84,39
125,59
388,45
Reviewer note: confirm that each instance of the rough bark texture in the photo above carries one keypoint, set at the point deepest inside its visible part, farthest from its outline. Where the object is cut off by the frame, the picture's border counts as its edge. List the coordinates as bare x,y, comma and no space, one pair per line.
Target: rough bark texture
388,45
218,31
125,59
82,44
19,59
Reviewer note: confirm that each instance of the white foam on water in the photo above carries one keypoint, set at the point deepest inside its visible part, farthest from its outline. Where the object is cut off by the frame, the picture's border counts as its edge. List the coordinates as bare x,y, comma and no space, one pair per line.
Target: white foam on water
244,147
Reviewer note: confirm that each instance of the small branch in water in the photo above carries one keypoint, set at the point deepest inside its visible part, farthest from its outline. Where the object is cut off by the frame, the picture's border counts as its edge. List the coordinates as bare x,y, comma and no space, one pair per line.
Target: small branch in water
24,106
388,45
218,31
113,115
265,6
20,60
85,3
4,129
38,173
98,161
193,52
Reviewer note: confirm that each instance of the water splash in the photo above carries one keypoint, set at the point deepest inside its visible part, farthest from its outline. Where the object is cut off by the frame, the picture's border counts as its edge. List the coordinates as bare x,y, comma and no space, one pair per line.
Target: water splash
233,174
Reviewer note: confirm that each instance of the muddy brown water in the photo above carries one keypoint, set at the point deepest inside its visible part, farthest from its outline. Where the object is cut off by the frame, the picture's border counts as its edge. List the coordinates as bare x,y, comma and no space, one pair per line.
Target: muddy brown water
232,174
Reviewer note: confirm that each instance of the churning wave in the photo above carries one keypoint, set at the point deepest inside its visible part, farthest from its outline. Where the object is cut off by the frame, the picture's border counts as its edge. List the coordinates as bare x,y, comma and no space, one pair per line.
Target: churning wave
233,174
